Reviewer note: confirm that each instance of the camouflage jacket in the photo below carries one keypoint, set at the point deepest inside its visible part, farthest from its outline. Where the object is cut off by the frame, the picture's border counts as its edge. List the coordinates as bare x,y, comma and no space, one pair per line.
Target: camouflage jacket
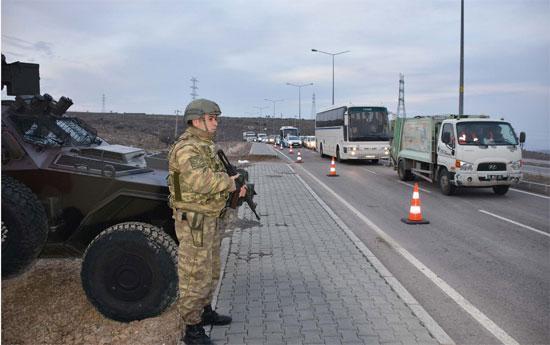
197,179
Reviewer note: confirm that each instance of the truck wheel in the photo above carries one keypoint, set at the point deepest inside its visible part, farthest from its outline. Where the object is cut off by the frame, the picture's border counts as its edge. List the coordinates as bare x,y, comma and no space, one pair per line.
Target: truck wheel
500,190
445,184
129,271
404,174
24,227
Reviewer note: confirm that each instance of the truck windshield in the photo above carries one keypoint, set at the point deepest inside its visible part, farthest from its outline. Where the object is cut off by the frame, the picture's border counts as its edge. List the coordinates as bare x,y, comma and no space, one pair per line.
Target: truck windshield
485,133
55,131
368,124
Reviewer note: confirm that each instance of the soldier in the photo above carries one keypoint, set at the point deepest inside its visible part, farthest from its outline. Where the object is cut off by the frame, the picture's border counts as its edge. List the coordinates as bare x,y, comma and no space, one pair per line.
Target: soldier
199,188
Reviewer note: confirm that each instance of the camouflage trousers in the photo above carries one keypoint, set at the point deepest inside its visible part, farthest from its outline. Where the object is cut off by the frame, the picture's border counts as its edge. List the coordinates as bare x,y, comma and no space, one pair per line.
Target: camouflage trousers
198,264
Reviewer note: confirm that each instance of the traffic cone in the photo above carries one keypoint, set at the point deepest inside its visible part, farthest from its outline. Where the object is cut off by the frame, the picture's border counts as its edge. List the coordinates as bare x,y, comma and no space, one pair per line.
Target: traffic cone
415,213
332,168
290,150
281,146
299,158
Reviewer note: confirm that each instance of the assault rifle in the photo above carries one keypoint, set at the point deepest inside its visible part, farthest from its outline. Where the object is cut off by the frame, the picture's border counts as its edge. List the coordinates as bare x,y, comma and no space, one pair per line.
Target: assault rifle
234,200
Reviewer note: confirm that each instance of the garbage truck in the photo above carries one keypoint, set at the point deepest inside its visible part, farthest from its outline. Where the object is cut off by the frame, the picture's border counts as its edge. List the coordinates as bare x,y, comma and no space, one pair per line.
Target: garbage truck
458,151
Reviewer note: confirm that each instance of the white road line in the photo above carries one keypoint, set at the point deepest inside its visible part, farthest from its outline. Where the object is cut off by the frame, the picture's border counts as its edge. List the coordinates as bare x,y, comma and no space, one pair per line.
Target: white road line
411,185
516,223
479,316
524,192
371,171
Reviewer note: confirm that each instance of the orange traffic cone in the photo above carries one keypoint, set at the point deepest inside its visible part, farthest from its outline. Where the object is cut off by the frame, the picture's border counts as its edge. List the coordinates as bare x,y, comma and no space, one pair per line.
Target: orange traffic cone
299,158
415,213
332,168
290,150
281,146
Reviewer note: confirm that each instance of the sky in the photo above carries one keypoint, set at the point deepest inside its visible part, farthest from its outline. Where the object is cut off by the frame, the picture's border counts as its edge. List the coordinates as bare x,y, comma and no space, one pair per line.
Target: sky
142,55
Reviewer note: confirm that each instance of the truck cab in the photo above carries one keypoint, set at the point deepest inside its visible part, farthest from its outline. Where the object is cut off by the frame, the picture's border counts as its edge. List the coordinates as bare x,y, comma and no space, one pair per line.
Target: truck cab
479,152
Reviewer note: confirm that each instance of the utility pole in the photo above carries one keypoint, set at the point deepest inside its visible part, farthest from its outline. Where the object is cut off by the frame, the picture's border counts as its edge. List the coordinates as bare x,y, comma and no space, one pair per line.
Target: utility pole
299,86
194,87
313,107
461,87
401,101
177,112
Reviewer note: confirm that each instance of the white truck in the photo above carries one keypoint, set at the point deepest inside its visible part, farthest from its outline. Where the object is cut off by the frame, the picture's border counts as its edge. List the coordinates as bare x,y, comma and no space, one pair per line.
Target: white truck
458,151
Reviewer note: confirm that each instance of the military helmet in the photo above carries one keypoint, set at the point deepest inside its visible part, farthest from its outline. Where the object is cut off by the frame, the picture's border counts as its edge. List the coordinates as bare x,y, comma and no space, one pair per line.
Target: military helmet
199,107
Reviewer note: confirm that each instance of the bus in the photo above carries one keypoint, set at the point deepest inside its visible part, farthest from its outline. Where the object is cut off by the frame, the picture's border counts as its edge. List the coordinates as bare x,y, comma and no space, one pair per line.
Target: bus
286,130
353,132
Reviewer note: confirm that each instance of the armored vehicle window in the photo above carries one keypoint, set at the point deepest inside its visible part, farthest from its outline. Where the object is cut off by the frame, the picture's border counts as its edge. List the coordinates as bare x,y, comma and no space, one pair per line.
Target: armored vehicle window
53,131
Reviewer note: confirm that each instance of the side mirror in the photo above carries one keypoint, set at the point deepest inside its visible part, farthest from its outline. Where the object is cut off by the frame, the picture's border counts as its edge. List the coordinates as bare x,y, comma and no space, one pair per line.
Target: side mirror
446,138
521,137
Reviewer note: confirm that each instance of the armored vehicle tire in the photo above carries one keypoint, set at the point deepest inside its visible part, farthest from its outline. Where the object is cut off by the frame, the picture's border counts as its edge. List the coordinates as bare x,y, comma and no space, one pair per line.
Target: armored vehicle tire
500,190
445,184
129,271
24,227
404,174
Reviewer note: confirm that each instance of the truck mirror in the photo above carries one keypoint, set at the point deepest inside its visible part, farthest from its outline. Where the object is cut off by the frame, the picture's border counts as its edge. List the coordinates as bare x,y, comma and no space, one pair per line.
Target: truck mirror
522,137
446,137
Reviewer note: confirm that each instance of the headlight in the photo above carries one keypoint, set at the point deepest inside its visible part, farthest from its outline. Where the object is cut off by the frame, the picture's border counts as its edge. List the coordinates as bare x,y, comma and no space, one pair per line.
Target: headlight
465,166
515,165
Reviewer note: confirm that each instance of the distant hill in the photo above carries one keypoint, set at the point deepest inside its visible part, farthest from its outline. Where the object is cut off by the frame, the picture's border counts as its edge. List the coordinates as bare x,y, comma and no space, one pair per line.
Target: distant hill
156,132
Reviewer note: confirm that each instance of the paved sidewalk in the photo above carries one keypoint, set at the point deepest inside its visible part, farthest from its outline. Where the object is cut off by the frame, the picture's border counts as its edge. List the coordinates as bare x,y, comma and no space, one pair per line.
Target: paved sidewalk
296,278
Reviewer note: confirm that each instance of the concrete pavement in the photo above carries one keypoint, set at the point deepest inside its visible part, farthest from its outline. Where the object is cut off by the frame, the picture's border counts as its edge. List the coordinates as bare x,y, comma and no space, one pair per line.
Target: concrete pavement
296,277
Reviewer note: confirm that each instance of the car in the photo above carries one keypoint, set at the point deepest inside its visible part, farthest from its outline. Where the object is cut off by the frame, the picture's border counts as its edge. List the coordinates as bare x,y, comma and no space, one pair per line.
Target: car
310,142
293,141
262,137
271,139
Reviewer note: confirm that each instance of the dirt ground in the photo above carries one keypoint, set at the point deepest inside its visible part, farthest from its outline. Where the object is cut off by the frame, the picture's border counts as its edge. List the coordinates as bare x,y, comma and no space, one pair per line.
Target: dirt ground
47,305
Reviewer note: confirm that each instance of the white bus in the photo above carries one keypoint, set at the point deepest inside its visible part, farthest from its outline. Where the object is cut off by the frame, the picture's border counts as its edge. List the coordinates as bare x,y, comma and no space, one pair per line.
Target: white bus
288,130
353,132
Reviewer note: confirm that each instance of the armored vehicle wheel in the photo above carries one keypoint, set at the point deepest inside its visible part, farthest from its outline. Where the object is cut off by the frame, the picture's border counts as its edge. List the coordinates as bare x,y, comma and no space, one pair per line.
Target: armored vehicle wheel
445,184
500,190
129,271
404,174
24,227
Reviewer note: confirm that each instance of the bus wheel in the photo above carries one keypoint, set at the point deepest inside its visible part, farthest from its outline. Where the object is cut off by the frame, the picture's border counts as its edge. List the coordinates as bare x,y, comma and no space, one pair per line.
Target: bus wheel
338,154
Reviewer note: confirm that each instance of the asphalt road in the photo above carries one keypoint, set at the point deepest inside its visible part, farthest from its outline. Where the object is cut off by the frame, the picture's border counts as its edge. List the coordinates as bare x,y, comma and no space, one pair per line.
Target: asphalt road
492,250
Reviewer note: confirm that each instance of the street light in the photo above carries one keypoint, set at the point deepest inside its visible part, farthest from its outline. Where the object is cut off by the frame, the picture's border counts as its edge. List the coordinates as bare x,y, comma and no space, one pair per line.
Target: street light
299,86
274,101
332,54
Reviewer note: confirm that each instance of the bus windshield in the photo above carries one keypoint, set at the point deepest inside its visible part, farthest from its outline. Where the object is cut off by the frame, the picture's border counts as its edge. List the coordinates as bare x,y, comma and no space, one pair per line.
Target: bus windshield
368,124
485,133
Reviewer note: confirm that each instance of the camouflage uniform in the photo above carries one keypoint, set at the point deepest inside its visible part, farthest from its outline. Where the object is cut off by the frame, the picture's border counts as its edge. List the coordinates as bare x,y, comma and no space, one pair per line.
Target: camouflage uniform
199,187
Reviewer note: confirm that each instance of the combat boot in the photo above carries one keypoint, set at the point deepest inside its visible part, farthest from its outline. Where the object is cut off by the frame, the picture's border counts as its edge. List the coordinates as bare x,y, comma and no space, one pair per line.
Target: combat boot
211,317
195,335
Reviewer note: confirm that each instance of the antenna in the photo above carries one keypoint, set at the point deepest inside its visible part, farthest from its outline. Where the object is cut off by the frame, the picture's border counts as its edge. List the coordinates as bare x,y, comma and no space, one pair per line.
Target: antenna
401,101
194,87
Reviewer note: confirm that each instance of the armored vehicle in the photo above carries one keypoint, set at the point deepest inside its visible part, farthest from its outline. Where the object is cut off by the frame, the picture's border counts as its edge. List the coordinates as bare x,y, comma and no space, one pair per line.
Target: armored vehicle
66,191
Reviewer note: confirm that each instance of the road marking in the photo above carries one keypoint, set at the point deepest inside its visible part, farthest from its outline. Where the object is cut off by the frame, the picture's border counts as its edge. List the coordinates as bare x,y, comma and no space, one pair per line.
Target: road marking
524,192
371,171
516,223
410,185
479,316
